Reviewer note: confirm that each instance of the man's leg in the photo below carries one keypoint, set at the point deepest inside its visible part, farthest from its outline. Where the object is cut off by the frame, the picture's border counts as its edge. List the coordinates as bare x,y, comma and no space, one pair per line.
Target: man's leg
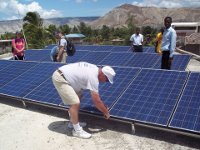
74,111
74,118
64,58
165,60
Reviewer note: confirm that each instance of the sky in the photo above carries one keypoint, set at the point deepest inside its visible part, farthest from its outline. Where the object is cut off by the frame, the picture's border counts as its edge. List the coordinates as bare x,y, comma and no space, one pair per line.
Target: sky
17,9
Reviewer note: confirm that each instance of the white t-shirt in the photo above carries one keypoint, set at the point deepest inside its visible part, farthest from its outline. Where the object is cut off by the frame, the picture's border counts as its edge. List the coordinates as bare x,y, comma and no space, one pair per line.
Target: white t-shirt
81,75
137,39
62,42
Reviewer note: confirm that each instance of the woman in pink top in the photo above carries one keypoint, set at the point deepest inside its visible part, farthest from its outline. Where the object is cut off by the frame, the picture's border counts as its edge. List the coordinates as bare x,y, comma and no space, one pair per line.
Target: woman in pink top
18,45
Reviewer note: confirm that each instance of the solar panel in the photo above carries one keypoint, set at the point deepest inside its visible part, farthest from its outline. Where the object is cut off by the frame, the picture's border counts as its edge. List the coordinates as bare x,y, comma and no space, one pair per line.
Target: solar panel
4,63
104,48
120,49
109,93
79,47
179,62
87,47
187,113
29,80
117,59
77,56
144,60
37,55
95,57
45,93
148,49
13,70
151,97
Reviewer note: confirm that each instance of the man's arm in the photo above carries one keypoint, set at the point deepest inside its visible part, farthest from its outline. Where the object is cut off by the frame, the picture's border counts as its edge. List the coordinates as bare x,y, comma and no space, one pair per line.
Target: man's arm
173,43
99,104
60,53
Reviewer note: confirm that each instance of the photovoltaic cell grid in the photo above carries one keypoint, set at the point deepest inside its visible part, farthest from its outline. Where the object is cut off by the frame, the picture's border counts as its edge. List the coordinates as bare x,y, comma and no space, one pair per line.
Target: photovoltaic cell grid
143,60
29,80
77,56
149,49
13,70
120,49
45,93
187,113
95,57
4,63
151,97
117,59
86,47
104,48
110,92
179,62
36,55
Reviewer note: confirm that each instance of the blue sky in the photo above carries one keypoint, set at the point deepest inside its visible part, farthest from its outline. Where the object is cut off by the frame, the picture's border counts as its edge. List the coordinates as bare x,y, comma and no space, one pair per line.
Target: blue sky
15,9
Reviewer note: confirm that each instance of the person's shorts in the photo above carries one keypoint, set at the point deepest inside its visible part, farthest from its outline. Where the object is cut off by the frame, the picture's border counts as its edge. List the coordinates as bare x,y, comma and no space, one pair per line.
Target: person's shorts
66,92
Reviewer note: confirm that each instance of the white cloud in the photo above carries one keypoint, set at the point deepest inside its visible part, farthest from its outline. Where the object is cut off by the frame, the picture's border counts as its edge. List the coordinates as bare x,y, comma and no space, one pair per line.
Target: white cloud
16,10
168,3
81,1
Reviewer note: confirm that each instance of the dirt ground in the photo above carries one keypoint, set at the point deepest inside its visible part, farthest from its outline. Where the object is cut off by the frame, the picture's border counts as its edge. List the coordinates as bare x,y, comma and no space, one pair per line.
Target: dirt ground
41,128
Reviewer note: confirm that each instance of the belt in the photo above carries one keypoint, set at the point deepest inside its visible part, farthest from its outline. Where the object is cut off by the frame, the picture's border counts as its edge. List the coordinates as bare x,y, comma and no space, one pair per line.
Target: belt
61,74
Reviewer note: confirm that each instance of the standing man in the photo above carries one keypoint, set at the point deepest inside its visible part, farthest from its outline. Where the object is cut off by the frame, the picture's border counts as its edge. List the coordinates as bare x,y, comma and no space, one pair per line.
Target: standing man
137,41
62,45
71,79
168,44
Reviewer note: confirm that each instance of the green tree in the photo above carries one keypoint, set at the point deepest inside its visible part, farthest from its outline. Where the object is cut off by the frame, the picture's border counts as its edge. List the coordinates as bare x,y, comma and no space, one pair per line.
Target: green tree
105,32
75,30
65,29
33,28
50,34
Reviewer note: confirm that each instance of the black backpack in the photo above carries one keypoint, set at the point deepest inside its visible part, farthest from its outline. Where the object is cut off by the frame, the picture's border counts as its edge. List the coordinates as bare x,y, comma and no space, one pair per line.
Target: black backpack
70,48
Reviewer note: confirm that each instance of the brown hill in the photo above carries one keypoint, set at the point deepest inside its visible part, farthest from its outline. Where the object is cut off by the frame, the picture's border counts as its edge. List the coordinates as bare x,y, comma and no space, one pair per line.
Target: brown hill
145,16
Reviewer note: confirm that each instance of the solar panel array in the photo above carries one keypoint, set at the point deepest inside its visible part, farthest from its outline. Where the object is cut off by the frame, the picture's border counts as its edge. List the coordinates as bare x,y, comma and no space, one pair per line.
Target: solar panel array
44,93
117,59
180,62
151,96
30,79
143,60
13,70
187,114
112,55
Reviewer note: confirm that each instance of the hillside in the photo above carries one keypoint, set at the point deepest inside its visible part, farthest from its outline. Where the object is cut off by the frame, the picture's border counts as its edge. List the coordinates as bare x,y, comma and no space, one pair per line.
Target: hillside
143,16
118,17
14,25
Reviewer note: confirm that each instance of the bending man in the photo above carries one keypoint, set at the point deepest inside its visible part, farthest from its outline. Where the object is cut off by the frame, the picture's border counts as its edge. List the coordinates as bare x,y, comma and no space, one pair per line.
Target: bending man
71,79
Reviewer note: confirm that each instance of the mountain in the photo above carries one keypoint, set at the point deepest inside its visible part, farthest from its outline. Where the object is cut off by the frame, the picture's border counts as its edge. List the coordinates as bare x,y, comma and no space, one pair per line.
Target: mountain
118,17
145,16
14,25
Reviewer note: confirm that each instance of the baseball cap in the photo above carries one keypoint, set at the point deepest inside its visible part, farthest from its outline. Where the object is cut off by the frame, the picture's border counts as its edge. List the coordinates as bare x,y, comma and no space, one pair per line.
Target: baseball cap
109,72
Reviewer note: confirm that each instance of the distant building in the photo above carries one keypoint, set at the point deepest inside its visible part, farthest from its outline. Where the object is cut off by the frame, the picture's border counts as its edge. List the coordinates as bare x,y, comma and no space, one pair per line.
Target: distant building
5,46
77,38
184,29
117,41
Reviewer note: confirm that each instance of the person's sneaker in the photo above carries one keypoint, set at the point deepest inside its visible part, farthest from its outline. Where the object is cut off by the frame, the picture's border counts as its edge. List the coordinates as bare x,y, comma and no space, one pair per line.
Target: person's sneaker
82,124
81,134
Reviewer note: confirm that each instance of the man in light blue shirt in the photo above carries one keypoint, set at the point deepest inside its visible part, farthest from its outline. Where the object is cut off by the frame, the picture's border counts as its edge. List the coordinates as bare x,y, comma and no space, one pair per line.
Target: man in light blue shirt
168,44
